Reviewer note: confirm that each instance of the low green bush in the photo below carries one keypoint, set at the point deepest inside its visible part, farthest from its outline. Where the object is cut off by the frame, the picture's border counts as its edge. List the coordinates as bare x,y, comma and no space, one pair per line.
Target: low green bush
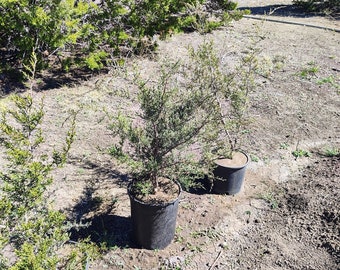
32,233
83,34
43,27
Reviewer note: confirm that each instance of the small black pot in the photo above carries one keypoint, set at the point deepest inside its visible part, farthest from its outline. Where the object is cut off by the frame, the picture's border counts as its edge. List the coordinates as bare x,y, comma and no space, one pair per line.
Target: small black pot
229,180
153,225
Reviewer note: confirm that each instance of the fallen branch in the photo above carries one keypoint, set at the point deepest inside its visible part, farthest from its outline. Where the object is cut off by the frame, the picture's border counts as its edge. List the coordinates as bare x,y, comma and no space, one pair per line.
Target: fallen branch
217,258
262,18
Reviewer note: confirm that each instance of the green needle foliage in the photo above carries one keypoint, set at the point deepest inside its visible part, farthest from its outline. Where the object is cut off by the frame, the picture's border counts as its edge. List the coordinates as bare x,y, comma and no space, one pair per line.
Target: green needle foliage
197,105
83,34
34,231
44,27
30,230
155,141
230,89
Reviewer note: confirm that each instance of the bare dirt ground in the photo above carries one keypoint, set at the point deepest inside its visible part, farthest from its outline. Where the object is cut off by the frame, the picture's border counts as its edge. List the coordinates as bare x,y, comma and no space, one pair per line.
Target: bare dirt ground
286,216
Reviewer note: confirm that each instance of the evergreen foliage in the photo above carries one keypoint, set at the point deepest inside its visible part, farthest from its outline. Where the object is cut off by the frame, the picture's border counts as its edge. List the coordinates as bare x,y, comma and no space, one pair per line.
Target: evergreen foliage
31,231
81,33
193,114
172,115
44,27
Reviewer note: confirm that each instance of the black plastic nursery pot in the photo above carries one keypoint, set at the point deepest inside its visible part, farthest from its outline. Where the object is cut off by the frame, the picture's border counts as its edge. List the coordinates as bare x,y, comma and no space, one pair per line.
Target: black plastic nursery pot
229,179
153,225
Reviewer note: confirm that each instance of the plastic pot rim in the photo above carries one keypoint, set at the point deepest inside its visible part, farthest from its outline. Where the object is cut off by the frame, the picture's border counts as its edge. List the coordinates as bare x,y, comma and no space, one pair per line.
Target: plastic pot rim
235,167
154,204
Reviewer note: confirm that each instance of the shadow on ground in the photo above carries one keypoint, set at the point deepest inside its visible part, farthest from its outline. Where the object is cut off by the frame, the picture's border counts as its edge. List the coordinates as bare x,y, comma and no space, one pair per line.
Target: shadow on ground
284,10
93,218
12,80
111,230
101,171
92,215
203,186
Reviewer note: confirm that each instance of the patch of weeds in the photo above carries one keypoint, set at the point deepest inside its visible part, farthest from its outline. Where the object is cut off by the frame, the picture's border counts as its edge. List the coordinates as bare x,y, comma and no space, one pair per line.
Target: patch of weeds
301,153
245,131
178,237
269,197
265,67
188,260
210,233
196,234
114,200
211,200
81,171
193,248
331,152
179,229
254,158
145,188
83,254
329,80
186,206
266,160
59,98
279,62
309,71
284,146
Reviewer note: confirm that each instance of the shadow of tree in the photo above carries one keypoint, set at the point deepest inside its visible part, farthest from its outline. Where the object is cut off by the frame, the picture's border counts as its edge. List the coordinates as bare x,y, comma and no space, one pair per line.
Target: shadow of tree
94,218
101,171
56,78
203,186
281,10
110,230
12,80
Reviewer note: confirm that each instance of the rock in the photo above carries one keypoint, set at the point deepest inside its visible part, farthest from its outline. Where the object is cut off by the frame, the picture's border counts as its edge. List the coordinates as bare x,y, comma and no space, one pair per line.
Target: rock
174,261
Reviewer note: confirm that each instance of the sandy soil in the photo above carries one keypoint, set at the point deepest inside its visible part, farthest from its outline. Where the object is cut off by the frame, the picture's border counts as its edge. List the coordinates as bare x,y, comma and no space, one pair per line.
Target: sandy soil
287,214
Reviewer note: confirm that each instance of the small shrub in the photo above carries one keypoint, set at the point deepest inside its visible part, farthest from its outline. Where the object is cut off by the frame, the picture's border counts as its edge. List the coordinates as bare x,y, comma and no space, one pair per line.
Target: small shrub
28,222
230,90
29,225
155,142
94,60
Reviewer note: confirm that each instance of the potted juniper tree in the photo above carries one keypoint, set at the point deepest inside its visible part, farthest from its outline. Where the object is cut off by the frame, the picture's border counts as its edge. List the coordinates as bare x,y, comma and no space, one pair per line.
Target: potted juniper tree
230,90
156,141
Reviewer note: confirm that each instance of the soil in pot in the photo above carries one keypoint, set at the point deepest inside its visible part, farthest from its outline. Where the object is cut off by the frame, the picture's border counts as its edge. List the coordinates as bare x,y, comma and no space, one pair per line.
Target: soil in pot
229,174
154,218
